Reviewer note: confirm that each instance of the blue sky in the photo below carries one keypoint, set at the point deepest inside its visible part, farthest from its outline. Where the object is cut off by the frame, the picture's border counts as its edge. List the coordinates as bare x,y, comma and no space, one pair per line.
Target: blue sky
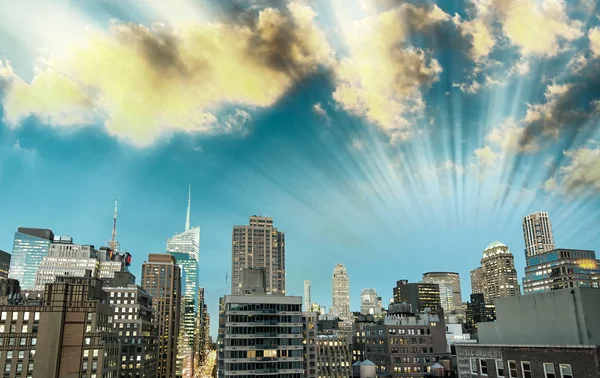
395,137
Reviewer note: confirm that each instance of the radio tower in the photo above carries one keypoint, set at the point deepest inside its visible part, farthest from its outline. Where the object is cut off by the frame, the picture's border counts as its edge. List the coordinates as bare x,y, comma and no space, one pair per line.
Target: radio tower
113,243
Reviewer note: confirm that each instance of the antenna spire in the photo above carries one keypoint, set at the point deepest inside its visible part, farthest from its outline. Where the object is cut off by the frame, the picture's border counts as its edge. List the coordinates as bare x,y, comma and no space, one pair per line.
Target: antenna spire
113,241
189,209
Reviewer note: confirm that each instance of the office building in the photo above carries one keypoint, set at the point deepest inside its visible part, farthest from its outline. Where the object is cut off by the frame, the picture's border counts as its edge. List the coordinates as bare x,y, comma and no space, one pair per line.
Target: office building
161,278
498,272
450,295
370,303
527,361
419,295
359,346
4,264
202,331
570,314
262,334
67,258
68,334
334,356
406,344
221,340
185,247
537,231
29,248
340,292
561,268
477,281
310,344
258,245
478,311
134,324
307,295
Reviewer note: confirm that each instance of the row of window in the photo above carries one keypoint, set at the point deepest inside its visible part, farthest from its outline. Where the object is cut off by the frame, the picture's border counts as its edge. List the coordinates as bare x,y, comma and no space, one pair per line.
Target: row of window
15,315
479,366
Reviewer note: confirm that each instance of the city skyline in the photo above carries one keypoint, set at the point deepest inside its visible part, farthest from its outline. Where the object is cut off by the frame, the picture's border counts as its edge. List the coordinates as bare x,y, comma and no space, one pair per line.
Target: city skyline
419,174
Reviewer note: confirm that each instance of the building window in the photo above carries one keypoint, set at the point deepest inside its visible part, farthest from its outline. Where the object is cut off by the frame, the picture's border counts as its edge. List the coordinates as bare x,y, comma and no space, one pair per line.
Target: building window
499,368
526,367
483,366
549,370
565,371
512,369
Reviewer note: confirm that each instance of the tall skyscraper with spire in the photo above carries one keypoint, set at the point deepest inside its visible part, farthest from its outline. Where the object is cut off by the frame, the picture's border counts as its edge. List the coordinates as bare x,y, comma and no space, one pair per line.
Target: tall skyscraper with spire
113,243
185,247
537,231
340,292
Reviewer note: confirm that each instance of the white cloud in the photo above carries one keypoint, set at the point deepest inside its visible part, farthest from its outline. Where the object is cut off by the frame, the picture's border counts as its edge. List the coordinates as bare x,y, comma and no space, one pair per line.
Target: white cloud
382,79
512,138
318,109
594,37
580,175
148,82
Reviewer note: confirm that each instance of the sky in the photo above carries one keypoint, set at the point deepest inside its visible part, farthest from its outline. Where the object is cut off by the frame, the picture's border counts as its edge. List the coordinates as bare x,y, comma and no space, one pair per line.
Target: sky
394,137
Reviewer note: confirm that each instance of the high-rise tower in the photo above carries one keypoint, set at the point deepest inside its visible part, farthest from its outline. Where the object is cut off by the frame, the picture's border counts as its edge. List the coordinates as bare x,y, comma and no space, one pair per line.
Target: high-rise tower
258,245
306,295
498,272
537,231
29,249
340,292
185,247
450,296
113,243
368,302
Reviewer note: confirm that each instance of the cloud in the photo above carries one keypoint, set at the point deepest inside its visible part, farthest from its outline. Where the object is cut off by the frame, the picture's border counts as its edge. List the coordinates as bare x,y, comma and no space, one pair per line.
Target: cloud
512,138
485,157
537,28
382,79
594,37
452,168
357,144
482,38
318,109
580,175
146,82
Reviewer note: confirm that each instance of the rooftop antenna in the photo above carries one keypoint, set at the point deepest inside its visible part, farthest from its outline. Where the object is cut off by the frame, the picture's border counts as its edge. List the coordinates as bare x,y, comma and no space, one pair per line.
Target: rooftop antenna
113,241
187,218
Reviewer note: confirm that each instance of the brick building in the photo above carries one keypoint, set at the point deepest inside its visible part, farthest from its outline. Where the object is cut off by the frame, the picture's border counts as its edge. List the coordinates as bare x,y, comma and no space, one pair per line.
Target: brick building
527,361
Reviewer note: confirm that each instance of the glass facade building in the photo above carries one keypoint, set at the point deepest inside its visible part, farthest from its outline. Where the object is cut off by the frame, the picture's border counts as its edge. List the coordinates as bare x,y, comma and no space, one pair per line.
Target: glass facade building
29,249
560,269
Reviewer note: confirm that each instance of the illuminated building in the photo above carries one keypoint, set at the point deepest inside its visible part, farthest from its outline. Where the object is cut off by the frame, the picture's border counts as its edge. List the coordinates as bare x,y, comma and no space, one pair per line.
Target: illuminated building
477,281
258,245
450,296
340,293
29,249
561,268
537,231
498,273
334,358
478,312
4,264
420,295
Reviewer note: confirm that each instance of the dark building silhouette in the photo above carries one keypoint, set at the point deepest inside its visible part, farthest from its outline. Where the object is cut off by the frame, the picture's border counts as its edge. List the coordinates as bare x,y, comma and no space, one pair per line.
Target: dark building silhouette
420,295
478,311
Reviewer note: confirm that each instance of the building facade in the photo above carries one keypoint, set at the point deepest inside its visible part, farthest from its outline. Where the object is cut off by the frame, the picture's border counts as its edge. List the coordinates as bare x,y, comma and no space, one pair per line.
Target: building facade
334,356
537,231
450,295
478,311
571,314
67,335
307,301
258,245
370,303
263,334
419,295
359,346
134,323
340,293
161,278
310,344
527,361
561,268
499,275
30,246
406,345
477,281
4,264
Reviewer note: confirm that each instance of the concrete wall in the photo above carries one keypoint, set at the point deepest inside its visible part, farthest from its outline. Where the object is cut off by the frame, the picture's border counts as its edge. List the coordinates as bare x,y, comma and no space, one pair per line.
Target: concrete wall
554,317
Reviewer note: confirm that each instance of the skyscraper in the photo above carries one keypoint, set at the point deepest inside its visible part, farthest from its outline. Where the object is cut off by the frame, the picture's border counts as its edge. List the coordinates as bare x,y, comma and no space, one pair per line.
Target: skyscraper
420,295
161,278
29,248
306,295
369,303
185,247
477,281
498,272
449,284
537,231
258,245
340,292
4,264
